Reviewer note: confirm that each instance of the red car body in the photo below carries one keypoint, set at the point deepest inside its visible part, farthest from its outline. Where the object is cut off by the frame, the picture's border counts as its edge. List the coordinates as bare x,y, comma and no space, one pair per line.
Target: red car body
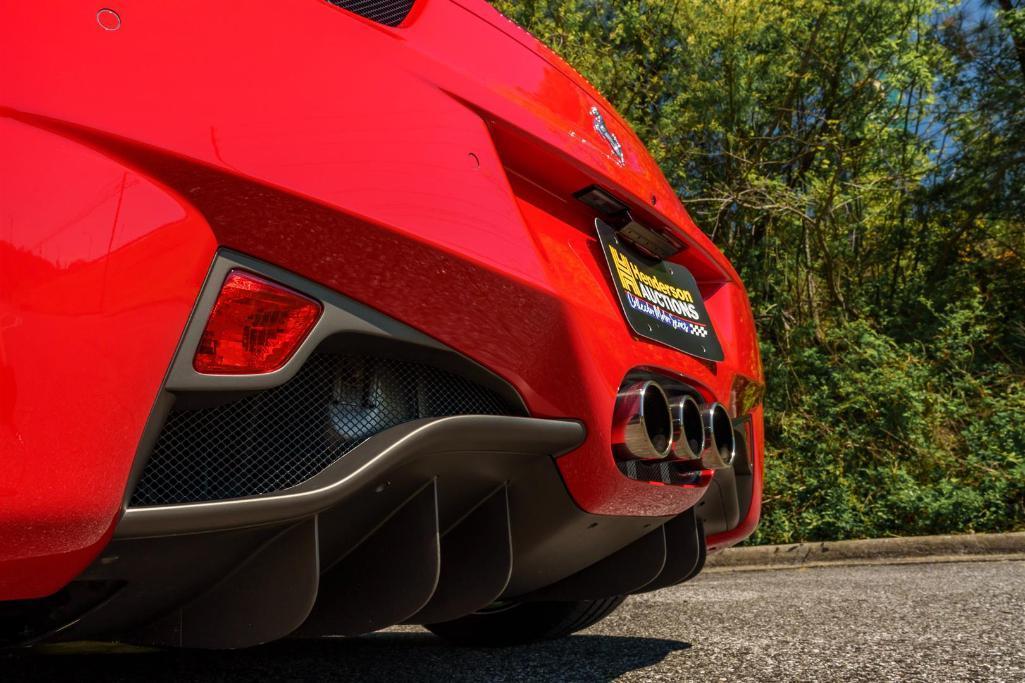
426,170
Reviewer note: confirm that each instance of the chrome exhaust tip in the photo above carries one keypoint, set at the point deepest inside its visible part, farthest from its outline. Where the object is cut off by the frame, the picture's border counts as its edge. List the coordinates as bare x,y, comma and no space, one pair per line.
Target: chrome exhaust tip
720,446
688,428
643,425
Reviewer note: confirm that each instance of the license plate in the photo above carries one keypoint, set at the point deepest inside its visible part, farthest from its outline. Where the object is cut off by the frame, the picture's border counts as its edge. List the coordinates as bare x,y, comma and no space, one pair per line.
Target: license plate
660,300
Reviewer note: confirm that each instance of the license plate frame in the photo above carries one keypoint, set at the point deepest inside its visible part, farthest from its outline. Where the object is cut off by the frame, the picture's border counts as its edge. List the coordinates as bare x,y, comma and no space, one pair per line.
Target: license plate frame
660,300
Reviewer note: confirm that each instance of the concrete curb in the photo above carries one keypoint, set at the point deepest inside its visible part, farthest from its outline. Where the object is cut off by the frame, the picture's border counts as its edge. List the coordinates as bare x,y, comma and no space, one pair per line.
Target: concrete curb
872,551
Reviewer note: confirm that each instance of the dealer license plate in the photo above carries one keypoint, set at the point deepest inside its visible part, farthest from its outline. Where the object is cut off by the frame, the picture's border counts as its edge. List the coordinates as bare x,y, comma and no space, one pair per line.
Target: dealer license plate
660,299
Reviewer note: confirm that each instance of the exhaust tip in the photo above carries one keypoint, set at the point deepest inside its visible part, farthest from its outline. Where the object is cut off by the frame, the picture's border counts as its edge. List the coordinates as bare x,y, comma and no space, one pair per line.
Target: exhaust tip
688,430
643,424
721,448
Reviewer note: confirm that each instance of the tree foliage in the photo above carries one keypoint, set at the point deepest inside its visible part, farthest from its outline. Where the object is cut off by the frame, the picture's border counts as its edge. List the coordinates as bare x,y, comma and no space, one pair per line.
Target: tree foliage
863,165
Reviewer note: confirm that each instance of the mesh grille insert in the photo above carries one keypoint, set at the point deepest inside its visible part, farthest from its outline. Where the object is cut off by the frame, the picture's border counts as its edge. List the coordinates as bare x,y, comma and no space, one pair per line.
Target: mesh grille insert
281,437
665,471
388,12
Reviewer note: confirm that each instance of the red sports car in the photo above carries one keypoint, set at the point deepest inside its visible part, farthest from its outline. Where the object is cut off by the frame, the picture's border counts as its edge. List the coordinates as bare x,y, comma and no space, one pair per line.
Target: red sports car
323,316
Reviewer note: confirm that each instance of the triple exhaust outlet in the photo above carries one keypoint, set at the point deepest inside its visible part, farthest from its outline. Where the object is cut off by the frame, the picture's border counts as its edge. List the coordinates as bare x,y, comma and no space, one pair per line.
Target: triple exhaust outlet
648,425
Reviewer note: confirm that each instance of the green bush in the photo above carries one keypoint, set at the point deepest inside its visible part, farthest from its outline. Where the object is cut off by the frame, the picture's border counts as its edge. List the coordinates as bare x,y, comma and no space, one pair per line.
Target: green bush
870,437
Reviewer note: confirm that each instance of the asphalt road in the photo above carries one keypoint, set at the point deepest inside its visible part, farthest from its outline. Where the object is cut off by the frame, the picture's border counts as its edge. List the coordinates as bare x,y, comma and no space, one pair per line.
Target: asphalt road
927,622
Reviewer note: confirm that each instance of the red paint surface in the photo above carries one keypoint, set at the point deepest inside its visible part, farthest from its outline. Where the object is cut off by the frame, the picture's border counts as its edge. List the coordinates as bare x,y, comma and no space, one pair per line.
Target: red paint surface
427,171
99,269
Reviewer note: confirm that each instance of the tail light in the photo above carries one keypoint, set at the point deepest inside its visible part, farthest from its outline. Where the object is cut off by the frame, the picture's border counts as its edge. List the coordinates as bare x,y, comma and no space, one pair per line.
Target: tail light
254,328
745,395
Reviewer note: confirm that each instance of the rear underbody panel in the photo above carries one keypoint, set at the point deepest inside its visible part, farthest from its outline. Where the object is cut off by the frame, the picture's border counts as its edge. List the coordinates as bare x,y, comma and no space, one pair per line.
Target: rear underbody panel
423,523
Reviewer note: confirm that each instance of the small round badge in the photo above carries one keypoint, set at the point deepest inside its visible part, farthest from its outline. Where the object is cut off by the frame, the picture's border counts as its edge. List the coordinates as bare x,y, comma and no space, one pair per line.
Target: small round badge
108,19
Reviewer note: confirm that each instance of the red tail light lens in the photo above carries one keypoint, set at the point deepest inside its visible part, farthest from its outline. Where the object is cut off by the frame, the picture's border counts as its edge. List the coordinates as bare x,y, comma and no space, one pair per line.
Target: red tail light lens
255,327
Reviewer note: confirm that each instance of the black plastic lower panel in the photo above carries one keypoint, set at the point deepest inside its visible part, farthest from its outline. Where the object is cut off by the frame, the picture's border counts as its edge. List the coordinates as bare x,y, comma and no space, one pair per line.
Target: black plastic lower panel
424,523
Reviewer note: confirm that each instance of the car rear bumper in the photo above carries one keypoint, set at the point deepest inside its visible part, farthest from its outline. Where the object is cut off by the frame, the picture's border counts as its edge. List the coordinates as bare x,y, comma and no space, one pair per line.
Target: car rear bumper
422,522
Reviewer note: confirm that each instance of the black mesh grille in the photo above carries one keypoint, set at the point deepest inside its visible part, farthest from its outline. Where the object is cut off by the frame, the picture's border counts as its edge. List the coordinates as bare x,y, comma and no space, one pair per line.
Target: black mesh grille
280,437
665,471
388,12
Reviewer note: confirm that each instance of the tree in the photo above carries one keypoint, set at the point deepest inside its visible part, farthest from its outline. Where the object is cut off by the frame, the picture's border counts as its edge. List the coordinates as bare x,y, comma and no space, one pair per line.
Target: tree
863,165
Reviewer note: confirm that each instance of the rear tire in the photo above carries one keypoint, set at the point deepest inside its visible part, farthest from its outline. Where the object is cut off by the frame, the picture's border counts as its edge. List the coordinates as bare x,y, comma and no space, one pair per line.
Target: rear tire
525,622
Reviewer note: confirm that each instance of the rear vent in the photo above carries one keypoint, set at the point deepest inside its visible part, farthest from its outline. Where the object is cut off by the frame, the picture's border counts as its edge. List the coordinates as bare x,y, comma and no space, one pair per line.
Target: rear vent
387,12
281,437
664,471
